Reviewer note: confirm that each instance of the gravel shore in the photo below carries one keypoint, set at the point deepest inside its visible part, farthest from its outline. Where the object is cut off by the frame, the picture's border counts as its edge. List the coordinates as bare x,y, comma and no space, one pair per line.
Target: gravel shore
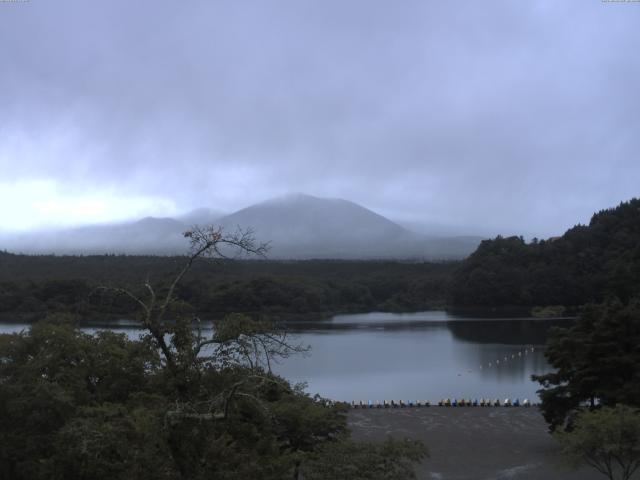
475,443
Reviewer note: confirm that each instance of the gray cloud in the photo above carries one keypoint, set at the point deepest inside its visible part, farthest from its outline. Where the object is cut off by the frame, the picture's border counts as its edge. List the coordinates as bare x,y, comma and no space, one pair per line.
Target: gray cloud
510,116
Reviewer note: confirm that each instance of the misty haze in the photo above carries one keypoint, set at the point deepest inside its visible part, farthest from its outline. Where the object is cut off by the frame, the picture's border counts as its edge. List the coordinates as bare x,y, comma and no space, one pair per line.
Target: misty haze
296,226
319,240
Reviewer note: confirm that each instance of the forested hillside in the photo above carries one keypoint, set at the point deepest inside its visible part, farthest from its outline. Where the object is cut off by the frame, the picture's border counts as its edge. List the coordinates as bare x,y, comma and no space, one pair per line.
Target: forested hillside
31,284
586,264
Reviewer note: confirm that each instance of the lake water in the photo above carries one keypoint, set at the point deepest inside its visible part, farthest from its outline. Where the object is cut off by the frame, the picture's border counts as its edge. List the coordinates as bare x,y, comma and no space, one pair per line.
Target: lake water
416,356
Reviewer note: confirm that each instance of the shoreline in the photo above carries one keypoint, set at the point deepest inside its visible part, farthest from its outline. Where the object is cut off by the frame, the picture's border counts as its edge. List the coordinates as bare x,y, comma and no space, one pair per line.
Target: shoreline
472,443
281,318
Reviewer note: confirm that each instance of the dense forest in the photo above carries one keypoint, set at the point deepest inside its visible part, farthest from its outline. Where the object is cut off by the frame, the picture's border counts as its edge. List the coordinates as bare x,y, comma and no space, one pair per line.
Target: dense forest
587,264
33,285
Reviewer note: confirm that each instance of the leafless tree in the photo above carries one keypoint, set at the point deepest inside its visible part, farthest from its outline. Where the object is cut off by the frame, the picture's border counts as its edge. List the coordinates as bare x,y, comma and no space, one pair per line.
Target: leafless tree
235,341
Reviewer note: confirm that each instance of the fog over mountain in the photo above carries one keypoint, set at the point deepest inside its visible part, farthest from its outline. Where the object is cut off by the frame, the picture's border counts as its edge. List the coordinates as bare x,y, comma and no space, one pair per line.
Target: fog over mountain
201,216
149,235
296,226
304,226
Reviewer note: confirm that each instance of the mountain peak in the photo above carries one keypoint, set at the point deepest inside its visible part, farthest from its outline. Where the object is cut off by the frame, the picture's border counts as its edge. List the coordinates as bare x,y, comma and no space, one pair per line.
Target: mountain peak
304,225
299,197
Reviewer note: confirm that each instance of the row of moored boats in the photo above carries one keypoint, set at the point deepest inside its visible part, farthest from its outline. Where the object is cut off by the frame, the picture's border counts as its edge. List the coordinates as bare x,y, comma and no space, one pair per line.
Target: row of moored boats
445,402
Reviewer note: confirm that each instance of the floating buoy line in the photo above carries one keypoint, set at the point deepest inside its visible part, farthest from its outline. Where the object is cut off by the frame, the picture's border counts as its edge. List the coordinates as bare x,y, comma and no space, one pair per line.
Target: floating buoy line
519,355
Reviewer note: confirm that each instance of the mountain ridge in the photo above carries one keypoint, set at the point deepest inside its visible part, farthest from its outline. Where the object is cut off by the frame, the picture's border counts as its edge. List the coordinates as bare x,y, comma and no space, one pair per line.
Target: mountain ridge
297,226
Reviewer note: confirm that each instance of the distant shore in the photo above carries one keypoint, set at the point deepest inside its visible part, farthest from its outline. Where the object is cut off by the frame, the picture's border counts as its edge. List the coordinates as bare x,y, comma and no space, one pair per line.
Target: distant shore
290,318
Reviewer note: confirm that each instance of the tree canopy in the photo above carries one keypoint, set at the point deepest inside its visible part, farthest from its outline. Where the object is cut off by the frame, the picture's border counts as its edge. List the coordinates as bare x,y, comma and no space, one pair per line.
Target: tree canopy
596,361
586,264
31,286
607,439
74,405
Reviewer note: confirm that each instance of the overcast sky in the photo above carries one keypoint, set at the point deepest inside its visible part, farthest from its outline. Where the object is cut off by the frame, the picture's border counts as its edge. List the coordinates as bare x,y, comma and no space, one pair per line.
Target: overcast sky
512,116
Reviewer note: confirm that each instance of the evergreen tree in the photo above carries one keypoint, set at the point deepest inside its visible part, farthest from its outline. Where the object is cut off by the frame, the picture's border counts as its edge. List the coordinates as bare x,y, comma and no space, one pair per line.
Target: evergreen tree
597,362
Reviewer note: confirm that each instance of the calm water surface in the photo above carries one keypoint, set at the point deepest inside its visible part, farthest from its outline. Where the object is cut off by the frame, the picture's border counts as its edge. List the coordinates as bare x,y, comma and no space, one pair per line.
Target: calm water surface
416,356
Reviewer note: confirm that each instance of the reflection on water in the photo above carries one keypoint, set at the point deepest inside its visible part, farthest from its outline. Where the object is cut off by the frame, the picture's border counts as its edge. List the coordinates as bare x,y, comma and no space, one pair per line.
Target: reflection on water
414,356
515,332
426,355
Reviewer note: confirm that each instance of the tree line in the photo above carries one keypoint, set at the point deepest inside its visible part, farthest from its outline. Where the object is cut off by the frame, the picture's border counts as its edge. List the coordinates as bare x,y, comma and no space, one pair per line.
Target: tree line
34,285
